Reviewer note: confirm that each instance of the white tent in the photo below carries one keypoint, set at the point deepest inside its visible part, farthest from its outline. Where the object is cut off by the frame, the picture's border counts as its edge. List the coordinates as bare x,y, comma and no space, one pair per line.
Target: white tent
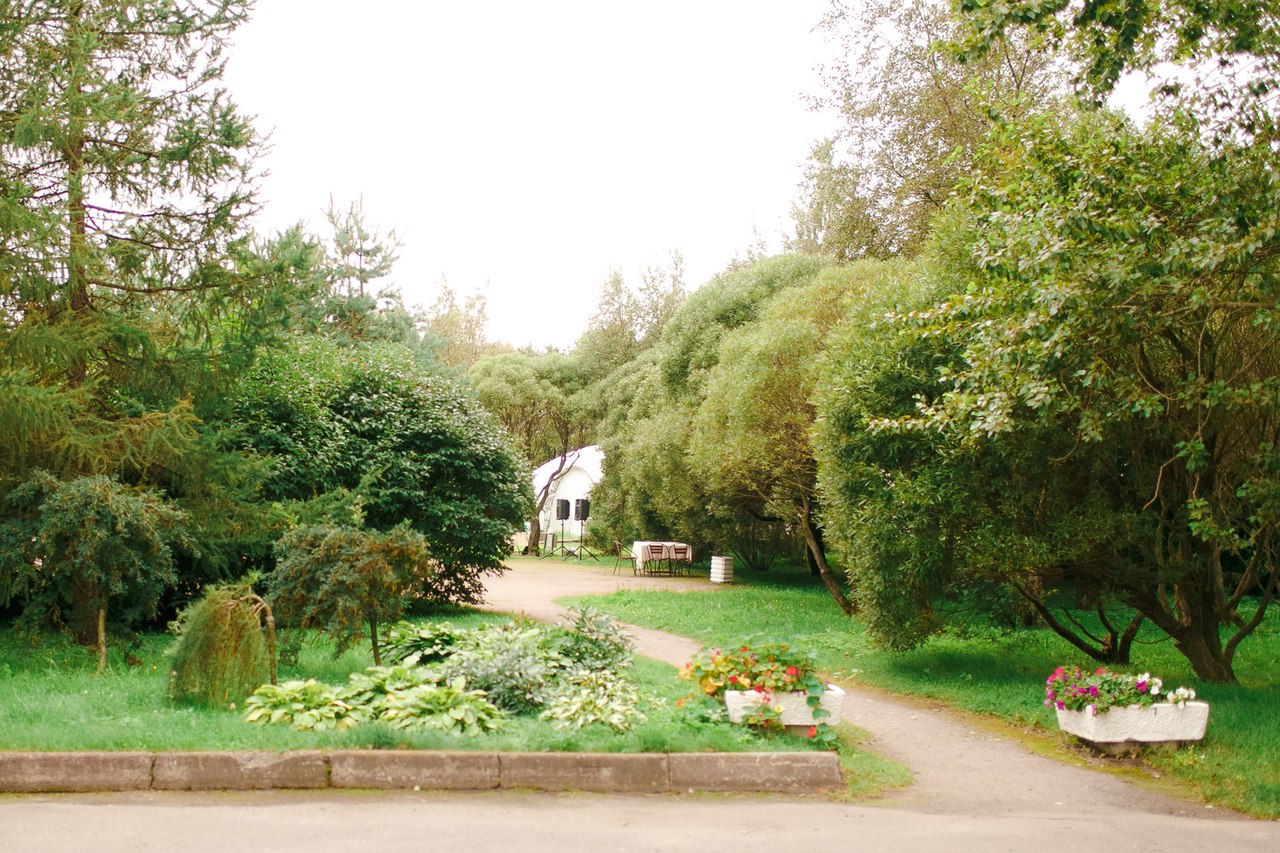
569,479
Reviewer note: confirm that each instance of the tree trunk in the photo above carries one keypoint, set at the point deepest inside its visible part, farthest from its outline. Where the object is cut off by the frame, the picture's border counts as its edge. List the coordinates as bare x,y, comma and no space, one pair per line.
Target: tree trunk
102,640
373,639
271,640
535,525
813,541
535,533
84,610
1201,644
1205,664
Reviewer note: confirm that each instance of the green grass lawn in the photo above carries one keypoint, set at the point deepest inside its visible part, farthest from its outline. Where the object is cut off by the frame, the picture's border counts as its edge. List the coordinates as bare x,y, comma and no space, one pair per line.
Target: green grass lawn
995,673
52,699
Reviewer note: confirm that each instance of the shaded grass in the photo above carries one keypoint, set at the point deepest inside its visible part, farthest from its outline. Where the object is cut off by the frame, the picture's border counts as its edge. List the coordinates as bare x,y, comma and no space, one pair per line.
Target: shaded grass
52,699
995,673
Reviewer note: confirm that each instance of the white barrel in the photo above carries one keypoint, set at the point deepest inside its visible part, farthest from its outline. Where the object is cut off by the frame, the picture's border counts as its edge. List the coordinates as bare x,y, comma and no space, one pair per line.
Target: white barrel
722,569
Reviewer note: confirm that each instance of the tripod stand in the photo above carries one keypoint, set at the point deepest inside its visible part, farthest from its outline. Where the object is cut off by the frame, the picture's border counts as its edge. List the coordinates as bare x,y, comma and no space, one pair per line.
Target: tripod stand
560,548
582,542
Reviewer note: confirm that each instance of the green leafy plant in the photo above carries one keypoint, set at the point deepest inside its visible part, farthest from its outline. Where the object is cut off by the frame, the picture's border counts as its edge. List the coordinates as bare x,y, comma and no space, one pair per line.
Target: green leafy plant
370,690
595,641
596,697
86,547
1073,689
513,663
342,579
304,705
444,707
414,645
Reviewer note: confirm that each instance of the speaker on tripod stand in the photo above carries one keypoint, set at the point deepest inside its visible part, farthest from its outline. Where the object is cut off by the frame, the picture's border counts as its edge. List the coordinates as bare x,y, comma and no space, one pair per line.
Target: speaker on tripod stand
581,512
562,515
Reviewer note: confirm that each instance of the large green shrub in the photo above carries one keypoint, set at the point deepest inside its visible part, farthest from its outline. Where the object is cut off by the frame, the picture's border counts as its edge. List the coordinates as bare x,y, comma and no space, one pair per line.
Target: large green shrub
408,444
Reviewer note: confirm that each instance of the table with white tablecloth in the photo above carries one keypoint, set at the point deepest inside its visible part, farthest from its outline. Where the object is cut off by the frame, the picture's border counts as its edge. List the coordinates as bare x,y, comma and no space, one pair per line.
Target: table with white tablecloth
640,550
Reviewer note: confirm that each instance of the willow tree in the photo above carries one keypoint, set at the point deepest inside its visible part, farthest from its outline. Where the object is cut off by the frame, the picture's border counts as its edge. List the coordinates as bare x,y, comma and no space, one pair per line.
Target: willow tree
127,283
752,433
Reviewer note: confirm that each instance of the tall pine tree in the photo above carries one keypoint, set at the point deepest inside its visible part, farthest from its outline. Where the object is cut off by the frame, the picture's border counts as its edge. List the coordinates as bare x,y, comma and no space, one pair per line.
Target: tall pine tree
129,288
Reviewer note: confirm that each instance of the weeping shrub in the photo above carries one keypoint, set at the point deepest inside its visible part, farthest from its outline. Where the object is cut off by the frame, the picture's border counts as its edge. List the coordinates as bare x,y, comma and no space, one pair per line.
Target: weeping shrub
221,655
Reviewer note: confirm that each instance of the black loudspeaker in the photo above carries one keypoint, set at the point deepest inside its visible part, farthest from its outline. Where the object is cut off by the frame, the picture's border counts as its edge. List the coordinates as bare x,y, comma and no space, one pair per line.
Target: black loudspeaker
562,509
581,509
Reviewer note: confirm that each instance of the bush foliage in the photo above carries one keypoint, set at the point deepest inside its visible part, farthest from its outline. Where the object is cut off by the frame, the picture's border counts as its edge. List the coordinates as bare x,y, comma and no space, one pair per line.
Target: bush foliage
220,654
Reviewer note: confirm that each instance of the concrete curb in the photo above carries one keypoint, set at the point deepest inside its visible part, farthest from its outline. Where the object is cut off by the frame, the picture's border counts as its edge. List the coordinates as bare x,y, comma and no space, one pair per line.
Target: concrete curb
789,772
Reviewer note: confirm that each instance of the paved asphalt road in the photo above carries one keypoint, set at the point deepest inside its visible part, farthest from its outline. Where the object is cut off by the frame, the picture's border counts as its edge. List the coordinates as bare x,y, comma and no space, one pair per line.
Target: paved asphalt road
296,822
973,791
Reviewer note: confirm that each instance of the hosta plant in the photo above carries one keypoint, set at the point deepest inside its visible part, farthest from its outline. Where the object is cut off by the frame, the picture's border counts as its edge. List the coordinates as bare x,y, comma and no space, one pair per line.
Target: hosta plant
419,645
370,689
443,707
303,705
514,664
594,641
600,697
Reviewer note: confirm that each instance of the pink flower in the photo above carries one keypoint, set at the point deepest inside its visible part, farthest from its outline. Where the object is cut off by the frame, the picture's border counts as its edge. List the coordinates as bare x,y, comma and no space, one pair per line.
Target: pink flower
813,731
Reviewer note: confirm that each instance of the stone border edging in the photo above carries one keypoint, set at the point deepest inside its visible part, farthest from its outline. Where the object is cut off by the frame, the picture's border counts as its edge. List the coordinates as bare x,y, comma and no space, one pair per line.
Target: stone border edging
677,772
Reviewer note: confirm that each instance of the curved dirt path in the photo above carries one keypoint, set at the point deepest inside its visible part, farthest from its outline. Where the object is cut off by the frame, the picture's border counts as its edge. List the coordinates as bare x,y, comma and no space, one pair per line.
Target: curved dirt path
959,769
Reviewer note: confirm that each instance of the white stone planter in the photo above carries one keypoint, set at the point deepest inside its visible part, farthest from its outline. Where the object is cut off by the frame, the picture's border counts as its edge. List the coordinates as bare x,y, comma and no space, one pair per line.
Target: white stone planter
794,706
1161,723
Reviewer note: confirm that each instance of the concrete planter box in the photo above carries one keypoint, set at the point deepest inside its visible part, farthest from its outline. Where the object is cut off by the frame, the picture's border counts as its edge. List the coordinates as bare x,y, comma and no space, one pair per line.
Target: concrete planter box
794,706
1161,723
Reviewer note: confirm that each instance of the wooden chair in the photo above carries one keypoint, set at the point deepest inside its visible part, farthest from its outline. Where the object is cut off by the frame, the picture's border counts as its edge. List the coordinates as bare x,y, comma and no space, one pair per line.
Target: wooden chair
654,556
680,559
620,556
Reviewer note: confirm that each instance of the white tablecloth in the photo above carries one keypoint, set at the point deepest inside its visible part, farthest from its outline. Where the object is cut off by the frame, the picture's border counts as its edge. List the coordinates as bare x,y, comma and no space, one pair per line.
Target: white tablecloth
640,550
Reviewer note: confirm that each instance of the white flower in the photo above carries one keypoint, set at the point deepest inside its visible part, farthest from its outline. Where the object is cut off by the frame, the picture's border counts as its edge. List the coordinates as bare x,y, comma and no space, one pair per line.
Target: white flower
1156,686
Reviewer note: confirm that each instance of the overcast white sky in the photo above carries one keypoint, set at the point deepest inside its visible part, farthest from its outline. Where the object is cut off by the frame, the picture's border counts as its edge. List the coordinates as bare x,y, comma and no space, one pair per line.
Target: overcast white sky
525,150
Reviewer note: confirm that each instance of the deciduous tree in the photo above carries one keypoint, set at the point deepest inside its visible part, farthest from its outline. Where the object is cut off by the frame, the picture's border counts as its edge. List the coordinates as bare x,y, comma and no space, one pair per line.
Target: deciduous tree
1121,289
913,117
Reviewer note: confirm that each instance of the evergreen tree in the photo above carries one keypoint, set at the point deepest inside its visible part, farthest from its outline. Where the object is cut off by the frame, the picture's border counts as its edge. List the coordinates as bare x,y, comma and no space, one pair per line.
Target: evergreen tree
129,288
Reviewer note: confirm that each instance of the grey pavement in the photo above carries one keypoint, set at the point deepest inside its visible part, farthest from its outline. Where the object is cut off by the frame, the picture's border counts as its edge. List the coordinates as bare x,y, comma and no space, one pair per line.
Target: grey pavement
297,822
